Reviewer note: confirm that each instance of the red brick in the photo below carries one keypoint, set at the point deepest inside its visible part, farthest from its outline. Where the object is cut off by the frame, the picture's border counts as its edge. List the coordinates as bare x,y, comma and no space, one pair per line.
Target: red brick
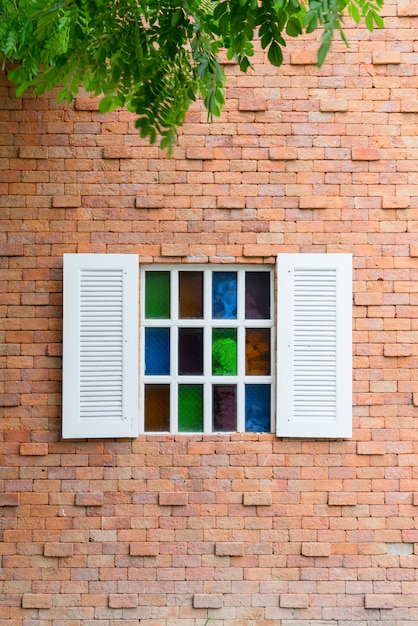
67,201
58,549
9,499
33,152
229,548
144,548
36,601
303,57
176,498
33,449
365,154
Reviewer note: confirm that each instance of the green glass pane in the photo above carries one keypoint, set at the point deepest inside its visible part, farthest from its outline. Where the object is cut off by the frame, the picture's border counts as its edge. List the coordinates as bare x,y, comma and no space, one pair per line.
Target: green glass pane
190,408
157,295
257,352
191,295
157,408
224,351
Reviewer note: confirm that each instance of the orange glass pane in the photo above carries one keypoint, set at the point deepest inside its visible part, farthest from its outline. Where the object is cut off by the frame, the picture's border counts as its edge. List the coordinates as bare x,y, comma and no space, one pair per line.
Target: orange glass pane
257,352
191,295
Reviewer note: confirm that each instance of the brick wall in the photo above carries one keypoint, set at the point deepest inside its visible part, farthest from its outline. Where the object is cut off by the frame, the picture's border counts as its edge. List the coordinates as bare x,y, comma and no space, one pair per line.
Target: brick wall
247,529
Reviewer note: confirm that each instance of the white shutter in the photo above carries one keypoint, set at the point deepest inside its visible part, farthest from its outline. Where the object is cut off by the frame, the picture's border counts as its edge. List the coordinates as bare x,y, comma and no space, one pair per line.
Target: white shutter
100,351
314,353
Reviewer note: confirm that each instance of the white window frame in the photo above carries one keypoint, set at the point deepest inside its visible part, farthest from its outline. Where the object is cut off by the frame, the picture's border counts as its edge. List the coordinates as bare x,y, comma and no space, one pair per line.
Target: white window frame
175,322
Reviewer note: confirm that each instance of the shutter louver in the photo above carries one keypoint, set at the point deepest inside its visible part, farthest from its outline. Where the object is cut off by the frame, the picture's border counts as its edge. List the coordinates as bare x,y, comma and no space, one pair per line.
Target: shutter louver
101,344
314,345
314,359
100,381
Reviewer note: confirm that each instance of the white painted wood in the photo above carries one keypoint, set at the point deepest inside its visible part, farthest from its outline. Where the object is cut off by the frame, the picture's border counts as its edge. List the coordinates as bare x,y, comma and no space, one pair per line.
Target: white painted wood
314,352
100,354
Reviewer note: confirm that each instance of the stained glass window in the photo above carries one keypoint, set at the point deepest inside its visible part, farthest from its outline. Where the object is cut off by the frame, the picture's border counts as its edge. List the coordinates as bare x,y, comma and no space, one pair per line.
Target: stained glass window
206,349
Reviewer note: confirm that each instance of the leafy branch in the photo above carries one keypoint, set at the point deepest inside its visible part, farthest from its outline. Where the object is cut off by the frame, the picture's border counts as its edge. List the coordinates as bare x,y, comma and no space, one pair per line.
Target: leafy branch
156,57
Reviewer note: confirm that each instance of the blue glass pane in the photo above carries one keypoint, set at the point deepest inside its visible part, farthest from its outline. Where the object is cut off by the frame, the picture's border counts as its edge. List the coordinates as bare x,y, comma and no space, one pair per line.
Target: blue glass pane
157,351
224,295
257,408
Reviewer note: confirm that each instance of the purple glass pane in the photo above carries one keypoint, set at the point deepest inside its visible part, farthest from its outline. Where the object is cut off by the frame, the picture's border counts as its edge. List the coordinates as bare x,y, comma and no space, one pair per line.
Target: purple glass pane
257,295
190,351
224,408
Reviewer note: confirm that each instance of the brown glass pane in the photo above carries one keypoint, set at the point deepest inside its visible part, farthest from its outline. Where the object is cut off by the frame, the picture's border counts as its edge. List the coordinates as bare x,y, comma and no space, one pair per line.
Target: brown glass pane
191,295
157,408
257,352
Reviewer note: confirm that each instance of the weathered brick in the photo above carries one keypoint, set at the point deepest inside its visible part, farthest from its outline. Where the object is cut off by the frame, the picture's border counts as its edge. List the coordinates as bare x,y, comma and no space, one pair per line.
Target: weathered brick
257,498
123,600
371,447
207,601
229,548
379,601
407,9
9,499
89,499
386,58
294,600
316,549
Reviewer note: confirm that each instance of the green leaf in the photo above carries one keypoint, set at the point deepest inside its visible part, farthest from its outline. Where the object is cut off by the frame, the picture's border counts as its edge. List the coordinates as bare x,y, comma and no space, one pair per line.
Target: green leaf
108,104
275,55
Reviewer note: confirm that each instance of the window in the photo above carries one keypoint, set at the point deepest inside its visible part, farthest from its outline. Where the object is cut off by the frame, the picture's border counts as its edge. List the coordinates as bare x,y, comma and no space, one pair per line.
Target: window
206,349
222,348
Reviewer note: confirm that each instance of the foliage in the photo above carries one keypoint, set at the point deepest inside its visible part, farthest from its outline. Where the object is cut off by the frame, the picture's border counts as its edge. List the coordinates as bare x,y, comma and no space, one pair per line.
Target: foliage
156,56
